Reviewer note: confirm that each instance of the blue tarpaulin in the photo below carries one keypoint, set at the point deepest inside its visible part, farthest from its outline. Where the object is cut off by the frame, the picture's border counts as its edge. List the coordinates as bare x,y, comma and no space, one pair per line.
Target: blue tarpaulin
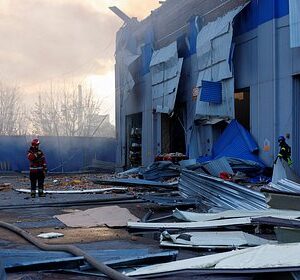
63,154
236,142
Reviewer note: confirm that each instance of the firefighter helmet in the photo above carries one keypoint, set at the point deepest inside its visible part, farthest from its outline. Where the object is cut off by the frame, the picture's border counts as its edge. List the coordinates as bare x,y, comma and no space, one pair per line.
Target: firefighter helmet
281,139
35,142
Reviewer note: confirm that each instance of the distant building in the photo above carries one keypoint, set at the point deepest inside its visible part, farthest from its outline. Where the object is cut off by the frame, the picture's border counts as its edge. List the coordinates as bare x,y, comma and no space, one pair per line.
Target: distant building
192,65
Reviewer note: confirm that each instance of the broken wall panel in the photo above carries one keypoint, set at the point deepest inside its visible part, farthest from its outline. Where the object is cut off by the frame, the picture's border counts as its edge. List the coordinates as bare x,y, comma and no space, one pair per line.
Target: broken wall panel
214,54
165,71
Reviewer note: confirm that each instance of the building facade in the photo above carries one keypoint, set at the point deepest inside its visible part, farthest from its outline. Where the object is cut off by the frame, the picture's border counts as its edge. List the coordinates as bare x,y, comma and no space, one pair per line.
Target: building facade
192,66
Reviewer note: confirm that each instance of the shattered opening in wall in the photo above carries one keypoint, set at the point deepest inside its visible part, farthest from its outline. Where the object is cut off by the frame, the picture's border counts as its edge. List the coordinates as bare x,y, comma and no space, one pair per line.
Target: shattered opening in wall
242,107
173,131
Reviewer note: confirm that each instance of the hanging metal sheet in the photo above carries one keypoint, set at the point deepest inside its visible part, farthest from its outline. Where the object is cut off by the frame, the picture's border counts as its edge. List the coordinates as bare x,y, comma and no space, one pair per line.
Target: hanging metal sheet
213,53
294,8
126,59
165,71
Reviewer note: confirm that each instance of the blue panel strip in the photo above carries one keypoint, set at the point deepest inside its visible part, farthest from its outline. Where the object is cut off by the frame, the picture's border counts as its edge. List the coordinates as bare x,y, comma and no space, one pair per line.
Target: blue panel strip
260,12
147,52
211,92
192,36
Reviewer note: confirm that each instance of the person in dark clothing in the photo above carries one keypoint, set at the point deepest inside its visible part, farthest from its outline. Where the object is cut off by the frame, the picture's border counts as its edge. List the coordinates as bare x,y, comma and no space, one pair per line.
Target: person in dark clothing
285,150
38,168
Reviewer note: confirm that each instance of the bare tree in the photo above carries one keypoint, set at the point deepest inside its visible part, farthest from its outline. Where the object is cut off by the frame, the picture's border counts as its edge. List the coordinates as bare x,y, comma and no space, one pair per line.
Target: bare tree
13,119
67,112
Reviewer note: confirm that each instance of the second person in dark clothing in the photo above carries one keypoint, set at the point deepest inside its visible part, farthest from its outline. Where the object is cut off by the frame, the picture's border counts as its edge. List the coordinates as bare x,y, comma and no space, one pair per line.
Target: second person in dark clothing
285,151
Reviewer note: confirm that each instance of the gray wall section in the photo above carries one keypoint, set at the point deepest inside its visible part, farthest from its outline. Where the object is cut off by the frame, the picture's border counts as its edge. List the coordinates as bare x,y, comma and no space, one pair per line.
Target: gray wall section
263,62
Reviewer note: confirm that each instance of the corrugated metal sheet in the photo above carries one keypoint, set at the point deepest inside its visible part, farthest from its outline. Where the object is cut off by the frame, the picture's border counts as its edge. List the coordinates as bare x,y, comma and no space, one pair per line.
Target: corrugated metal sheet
215,167
192,225
215,192
226,109
221,240
294,7
165,72
126,59
213,53
211,92
285,256
164,54
214,44
232,214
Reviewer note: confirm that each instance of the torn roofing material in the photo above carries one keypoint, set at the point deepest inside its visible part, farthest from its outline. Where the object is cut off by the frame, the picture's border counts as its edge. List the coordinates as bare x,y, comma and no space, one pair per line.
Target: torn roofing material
160,170
191,225
135,183
76,191
231,214
264,256
214,240
215,192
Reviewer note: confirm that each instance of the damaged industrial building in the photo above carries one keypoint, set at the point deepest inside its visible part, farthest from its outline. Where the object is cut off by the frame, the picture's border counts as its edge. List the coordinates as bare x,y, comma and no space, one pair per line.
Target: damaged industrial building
189,68
206,180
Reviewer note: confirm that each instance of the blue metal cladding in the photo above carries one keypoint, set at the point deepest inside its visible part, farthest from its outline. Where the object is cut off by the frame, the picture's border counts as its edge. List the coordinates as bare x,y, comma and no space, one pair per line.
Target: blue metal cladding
211,92
62,153
259,12
192,36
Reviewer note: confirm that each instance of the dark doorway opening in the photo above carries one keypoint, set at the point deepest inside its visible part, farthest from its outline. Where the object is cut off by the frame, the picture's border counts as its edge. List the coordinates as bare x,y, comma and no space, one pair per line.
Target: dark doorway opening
173,132
296,124
242,107
134,140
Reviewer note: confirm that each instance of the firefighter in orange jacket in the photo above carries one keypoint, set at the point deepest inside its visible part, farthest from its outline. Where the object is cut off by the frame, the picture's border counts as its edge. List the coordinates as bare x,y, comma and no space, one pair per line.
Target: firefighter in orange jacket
38,168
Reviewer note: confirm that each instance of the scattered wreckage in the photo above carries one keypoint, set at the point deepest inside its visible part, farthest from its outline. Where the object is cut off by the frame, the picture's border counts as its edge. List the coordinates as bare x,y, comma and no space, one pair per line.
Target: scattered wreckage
224,216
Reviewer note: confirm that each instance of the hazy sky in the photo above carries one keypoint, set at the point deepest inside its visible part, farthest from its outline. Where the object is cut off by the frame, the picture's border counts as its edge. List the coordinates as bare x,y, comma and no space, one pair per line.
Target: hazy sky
44,41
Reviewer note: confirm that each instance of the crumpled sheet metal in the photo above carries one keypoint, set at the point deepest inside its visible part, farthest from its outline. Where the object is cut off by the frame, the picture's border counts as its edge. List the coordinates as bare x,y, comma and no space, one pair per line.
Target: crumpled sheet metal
215,192
215,167
232,214
160,170
191,225
264,256
213,240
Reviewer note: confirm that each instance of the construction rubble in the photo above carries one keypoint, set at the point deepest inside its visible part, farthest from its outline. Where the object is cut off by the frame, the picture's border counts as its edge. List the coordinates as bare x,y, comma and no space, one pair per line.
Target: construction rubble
221,216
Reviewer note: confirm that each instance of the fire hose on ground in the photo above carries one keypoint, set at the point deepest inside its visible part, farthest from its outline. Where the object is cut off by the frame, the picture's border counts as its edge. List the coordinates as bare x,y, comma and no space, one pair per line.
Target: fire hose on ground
111,273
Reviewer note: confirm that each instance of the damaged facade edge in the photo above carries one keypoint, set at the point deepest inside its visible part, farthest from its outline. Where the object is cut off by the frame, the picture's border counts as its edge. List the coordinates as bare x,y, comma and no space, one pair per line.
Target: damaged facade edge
247,62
